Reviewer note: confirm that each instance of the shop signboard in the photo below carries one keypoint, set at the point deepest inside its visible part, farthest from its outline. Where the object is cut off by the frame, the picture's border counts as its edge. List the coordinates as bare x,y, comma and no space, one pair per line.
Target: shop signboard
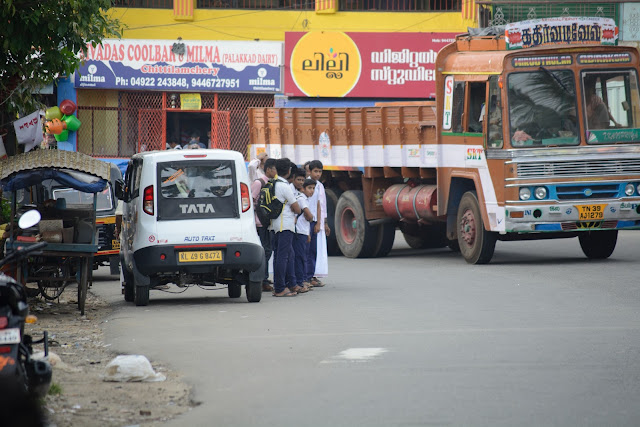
561,30
366,65
182,66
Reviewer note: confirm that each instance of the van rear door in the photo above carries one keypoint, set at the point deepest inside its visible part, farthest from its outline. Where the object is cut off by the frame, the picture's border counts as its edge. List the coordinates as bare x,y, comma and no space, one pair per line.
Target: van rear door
196,189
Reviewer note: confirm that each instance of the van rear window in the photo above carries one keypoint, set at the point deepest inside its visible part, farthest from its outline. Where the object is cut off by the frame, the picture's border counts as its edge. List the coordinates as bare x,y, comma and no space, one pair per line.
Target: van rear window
197,189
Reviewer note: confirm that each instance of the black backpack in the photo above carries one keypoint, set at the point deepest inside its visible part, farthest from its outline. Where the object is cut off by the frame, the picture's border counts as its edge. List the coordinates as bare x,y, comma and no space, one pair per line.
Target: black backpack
268,206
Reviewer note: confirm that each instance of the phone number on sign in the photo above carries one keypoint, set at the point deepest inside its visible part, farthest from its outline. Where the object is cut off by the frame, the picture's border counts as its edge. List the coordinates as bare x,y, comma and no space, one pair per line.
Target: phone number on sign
172,82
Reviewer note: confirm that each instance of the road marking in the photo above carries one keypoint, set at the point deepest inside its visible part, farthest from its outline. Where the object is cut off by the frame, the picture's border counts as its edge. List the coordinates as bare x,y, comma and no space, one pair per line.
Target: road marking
356,355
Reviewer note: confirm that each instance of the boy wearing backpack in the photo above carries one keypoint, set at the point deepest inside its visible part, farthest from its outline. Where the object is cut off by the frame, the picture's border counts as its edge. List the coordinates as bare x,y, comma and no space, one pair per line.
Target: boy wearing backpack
265,234
284,228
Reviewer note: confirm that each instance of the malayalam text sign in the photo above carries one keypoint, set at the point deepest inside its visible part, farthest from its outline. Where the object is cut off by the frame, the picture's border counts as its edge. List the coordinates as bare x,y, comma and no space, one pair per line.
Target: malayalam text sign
371,65
205,66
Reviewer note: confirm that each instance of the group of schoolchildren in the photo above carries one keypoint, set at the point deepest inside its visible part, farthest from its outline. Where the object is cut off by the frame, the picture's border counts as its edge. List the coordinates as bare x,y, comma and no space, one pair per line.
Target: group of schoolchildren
293,237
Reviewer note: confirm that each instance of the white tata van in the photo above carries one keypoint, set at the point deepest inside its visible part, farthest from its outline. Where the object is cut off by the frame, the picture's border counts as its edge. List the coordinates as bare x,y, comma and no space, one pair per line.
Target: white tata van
188,220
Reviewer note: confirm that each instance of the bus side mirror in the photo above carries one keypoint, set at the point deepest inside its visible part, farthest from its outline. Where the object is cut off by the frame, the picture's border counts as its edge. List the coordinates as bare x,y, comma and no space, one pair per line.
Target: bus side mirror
120,190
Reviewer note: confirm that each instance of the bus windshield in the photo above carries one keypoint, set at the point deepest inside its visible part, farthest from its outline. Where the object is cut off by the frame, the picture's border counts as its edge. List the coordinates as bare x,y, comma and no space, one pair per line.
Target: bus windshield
542,108
612,106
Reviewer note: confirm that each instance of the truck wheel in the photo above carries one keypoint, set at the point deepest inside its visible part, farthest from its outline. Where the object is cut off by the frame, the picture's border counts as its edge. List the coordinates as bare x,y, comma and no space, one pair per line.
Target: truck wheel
598,244
254,291
235,290
354,235
114,265
386,236
414,242
476,243
332,243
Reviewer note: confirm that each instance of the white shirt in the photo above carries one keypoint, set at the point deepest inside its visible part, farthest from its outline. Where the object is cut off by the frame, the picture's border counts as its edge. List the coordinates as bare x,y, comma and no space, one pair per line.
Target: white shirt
322,197
313,202
287,219
302,225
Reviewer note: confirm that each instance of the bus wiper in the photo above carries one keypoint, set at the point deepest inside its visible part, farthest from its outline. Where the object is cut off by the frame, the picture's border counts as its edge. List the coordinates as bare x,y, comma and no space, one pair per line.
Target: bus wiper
557,80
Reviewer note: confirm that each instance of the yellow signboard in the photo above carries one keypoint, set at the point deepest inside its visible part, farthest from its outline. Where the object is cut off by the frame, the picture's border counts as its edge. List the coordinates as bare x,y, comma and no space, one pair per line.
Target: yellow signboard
190,101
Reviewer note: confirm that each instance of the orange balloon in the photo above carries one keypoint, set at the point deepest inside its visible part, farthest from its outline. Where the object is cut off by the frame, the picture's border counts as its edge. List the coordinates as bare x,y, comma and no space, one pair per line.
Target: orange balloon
56,126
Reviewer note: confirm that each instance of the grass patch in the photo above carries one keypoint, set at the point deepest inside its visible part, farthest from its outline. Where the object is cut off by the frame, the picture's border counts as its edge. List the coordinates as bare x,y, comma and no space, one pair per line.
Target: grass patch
55,389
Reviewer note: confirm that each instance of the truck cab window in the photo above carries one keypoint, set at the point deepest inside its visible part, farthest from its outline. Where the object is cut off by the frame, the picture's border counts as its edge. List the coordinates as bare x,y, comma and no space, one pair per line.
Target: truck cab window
493,114
458,107
542,108
477,96
611,106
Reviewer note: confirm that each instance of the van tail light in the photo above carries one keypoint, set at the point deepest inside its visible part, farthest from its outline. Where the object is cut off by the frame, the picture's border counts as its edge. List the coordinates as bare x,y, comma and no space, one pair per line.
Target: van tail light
3,322
147,200
246,198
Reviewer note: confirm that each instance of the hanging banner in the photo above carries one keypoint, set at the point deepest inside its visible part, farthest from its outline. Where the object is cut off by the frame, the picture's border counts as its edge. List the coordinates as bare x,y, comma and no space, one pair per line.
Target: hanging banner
29,130
190,101
186,65
368,65
561,30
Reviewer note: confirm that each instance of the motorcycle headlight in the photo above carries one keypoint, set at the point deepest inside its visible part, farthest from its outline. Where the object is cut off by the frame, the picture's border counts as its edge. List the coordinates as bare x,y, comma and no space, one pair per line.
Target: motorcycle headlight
629,190
540,193
525,193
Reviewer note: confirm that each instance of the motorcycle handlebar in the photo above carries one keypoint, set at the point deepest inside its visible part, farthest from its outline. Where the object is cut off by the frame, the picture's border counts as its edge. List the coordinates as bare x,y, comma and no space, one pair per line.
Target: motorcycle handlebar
21,252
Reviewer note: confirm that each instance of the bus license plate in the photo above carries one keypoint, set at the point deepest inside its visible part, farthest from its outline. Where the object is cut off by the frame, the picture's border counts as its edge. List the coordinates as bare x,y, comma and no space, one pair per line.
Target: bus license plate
10,336
115,244
199,256
591,212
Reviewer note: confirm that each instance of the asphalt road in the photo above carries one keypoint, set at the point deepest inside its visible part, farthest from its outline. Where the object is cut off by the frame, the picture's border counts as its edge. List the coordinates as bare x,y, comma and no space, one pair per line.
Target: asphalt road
539,337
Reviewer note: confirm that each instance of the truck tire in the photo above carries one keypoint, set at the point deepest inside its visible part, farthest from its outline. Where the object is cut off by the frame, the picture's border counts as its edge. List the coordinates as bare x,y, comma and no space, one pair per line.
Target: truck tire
355,237
235,290
476,243
386,236
254,291
598,244
332,201
414,242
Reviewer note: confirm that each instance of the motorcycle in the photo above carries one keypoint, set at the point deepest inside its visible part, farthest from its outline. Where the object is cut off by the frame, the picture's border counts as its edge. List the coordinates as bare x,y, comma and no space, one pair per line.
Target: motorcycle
16,347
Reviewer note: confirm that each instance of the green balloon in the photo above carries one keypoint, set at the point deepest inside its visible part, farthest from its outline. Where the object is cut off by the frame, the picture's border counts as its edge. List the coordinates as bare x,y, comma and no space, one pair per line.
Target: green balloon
53,113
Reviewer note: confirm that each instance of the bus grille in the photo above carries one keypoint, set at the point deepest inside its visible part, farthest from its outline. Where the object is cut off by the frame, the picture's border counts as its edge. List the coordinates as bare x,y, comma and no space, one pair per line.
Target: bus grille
579,168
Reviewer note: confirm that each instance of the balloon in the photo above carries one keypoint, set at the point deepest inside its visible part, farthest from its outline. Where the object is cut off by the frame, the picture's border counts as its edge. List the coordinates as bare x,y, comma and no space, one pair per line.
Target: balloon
62,136
67,107
53,113
73,124
56,126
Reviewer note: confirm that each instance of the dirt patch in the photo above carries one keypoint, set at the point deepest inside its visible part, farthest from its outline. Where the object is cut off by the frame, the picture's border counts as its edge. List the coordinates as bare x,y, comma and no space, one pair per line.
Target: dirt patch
85,399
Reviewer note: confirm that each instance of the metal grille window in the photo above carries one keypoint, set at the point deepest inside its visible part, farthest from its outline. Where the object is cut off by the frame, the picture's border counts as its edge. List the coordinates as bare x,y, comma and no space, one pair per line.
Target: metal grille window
505,11
151,4
119,124
345,5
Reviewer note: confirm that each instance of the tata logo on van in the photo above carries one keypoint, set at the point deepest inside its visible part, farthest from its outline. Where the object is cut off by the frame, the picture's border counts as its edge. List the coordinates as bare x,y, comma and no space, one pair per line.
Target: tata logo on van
197,208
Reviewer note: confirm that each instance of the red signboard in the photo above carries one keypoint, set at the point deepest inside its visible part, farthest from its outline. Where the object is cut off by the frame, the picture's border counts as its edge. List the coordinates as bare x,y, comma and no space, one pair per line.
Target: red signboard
365,65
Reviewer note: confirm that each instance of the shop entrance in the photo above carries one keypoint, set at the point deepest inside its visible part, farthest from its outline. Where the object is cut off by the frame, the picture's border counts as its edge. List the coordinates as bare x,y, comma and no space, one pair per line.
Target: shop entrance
157,127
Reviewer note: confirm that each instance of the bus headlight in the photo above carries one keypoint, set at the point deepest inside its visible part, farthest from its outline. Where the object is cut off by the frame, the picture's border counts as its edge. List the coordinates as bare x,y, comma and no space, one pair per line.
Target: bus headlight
629,190
540,193
525,193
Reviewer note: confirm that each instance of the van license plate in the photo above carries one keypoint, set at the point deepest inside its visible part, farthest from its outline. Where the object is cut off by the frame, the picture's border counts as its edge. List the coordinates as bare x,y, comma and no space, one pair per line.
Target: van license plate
199,256
10,336
591,212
